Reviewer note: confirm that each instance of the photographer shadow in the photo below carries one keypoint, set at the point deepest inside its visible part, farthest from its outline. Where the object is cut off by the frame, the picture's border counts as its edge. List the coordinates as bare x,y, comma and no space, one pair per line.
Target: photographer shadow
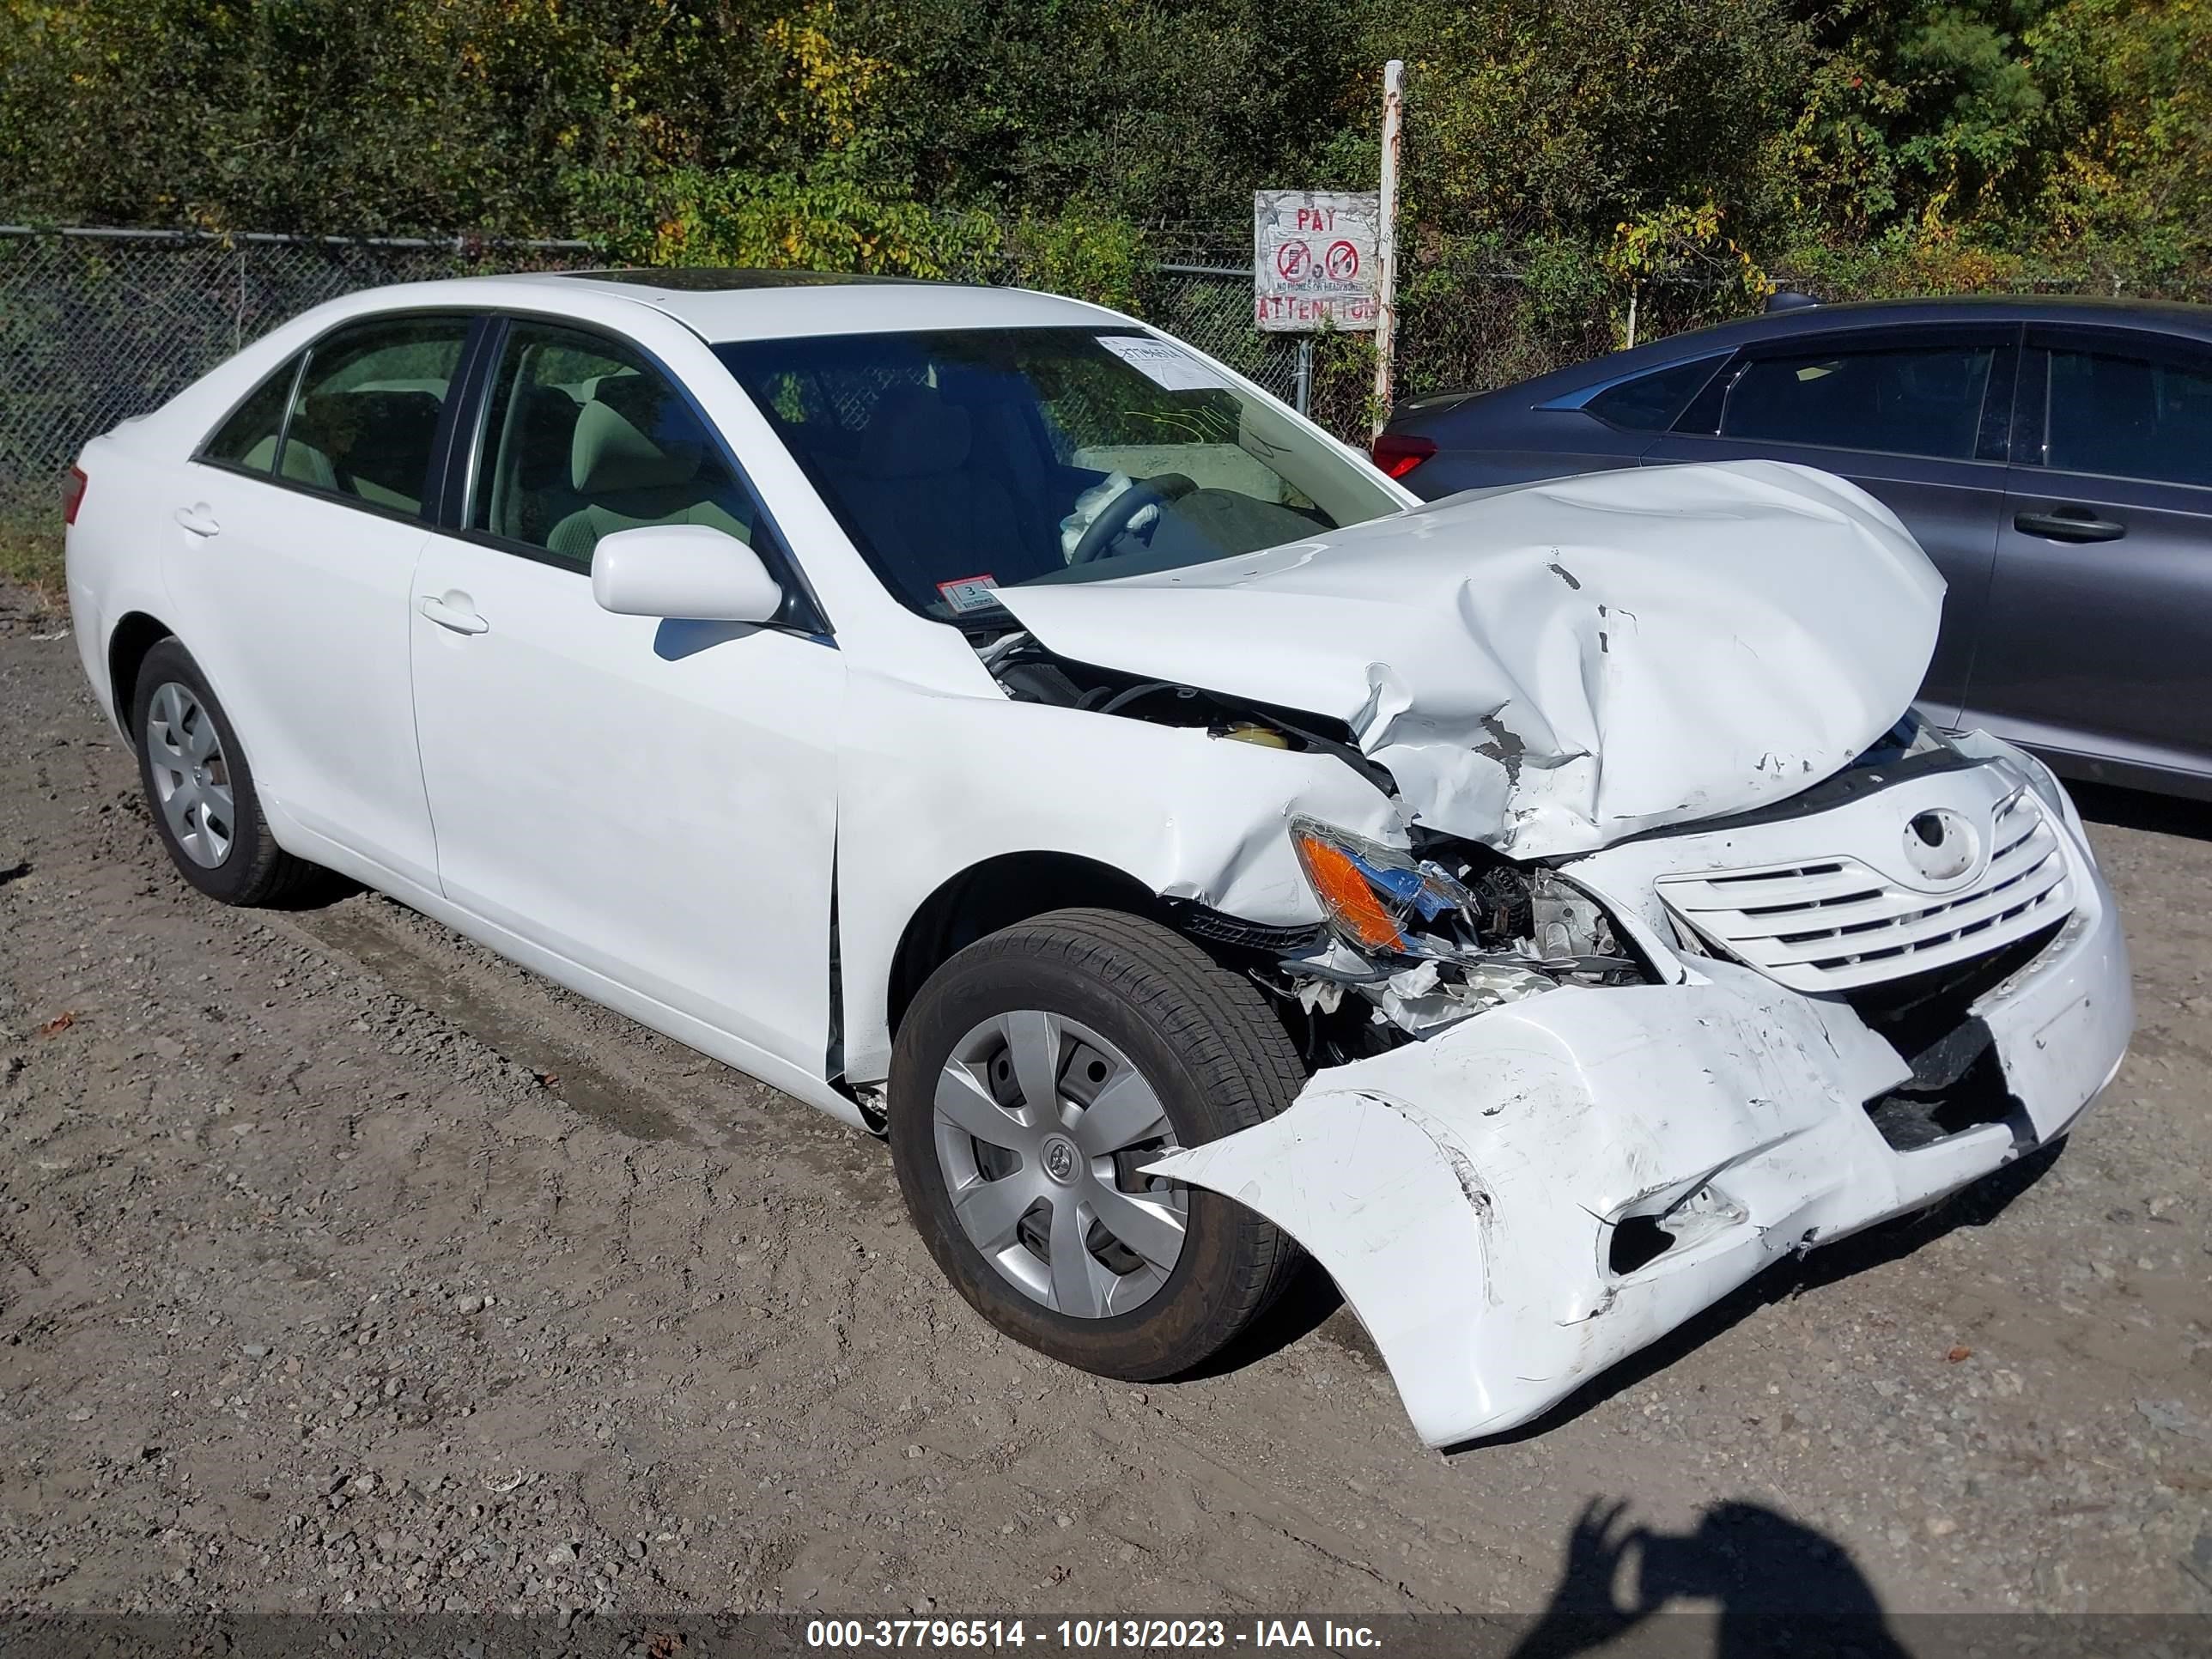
1775,1586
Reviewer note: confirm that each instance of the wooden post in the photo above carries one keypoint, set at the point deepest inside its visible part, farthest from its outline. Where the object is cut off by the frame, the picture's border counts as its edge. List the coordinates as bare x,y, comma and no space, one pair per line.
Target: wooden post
1386,237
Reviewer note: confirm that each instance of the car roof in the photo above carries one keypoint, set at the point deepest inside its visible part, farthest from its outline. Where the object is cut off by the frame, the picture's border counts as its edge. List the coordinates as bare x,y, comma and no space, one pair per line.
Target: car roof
2165,316
723,306
2172,316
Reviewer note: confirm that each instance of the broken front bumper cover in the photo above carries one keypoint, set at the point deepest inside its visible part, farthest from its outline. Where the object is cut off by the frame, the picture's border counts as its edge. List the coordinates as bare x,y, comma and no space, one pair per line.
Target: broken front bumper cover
1465,1192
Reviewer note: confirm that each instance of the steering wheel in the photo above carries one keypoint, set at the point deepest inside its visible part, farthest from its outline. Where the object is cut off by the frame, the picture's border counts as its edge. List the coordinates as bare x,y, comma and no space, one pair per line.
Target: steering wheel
1114,520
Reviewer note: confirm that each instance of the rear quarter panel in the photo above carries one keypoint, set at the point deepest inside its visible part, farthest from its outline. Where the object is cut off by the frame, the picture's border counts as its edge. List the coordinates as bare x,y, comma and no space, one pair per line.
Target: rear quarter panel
1451,471
1499,439
136,477
114,549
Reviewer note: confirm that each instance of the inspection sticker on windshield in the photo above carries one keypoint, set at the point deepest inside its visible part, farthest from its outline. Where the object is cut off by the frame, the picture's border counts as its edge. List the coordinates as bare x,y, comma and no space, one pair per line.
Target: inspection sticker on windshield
970,593
1168,367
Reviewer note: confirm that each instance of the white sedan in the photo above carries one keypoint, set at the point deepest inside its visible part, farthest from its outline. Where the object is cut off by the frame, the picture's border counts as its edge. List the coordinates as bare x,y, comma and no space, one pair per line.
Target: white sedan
1020,736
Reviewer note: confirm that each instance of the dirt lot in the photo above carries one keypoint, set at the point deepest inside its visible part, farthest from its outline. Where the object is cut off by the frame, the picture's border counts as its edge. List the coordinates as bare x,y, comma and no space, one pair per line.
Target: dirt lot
342,1265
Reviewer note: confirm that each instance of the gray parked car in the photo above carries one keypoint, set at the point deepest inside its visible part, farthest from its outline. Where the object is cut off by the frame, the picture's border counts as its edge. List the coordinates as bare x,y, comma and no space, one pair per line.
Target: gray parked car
2053,456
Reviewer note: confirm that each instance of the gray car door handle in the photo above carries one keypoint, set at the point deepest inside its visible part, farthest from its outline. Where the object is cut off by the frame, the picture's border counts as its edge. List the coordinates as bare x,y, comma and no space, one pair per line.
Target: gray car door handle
2068,527
455,617
197,519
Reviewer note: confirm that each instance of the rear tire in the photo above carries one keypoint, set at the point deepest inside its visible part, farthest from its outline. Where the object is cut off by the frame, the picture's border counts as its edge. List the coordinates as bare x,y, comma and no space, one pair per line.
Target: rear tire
1151,1045
200,789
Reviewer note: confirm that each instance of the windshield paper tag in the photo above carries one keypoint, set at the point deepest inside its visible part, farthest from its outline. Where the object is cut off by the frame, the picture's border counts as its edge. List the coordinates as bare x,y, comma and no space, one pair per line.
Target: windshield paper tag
1167,367
966,594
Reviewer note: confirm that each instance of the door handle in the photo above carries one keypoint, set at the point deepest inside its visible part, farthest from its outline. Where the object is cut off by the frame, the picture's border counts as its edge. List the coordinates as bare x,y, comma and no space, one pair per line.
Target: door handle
2064,526
197,519
459,617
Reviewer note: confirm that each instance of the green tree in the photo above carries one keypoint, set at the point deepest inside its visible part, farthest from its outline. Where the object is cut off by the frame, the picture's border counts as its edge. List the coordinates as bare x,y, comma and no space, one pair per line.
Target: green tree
1563,117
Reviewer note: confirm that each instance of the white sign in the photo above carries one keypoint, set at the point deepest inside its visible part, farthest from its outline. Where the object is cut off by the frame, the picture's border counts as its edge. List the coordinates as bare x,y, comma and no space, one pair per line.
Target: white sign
1314,262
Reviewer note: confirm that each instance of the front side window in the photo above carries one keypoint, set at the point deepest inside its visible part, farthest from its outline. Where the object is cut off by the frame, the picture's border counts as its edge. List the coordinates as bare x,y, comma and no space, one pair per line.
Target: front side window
365,418
1912,400
248,438
2130,416
965,461
584,437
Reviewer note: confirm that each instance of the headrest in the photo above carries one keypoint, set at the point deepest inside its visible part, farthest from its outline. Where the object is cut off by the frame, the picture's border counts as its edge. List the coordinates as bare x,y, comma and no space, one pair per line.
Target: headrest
912,431
612,454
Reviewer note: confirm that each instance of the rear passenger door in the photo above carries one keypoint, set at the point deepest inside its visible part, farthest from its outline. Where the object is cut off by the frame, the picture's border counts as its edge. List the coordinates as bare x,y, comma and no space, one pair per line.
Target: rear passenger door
2098,644
644,809
292,551
1917,417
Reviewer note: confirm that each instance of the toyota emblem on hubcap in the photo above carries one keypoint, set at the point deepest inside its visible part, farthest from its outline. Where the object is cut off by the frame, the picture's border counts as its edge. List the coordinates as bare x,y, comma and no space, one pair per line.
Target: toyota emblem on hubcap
1060,1159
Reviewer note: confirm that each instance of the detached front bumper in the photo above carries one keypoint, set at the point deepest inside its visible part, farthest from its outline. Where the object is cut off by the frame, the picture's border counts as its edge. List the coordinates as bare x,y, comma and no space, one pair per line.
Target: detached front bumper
1468,1192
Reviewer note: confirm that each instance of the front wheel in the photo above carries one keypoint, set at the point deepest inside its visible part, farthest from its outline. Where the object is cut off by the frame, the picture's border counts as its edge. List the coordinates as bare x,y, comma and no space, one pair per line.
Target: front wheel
1037,1074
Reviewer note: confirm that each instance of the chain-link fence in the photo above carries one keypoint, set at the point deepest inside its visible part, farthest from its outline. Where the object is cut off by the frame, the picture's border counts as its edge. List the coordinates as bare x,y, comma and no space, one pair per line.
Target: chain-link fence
1207,301
1470,313
96,326
99,325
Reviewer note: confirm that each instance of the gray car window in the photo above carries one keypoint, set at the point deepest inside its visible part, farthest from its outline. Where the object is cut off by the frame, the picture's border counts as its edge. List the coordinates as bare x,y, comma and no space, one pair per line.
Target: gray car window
1910,400
2129,416
1650,402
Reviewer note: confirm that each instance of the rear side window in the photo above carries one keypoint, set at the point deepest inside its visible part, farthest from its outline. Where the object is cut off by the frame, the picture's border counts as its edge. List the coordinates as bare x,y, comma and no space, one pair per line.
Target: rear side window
2130,416
584,437
248,438
1914,400
1653,402
365,418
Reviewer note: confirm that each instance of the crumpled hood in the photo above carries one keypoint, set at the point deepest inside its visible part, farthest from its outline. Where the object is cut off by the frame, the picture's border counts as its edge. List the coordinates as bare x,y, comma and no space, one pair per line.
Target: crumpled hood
1550,667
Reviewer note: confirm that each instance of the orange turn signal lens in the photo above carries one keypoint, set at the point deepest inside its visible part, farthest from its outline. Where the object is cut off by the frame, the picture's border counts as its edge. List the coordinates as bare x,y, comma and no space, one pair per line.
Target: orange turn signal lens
1346,894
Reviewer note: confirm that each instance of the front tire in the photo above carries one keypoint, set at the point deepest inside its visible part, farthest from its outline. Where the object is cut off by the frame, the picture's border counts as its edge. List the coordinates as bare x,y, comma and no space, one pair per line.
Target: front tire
200,789
1035,1074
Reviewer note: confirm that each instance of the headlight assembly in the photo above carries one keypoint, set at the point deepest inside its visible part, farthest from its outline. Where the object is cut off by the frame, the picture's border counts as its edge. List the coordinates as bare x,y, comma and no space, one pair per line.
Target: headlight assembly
1373,895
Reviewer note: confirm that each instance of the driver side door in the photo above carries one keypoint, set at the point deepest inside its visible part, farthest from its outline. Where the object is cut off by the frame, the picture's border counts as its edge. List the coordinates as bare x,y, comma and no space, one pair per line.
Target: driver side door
644,809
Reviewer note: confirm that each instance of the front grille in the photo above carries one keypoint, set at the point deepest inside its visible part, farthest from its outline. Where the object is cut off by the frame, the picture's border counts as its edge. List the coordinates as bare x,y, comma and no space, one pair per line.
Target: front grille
1834,924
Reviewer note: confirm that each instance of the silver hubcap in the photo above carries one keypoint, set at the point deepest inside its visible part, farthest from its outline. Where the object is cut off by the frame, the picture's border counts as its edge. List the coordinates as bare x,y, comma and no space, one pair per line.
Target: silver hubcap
192,777
1042,1126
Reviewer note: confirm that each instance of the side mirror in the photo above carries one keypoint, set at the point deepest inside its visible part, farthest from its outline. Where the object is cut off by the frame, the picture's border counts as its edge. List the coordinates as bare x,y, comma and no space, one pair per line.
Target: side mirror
682,571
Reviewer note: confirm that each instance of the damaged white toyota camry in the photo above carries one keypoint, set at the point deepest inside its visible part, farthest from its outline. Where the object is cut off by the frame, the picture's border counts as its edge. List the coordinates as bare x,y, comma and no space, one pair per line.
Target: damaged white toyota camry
1015,733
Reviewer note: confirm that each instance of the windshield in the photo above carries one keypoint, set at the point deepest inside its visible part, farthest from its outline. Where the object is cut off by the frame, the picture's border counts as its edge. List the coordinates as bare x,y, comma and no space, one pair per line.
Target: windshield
967,461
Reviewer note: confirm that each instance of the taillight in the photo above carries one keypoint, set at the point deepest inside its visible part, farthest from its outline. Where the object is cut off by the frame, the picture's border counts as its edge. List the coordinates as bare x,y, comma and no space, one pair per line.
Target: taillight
1398,452
73,494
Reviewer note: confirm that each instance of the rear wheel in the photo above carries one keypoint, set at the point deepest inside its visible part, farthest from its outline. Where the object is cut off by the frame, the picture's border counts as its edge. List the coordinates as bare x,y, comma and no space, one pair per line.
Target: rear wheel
1036,1075
201,790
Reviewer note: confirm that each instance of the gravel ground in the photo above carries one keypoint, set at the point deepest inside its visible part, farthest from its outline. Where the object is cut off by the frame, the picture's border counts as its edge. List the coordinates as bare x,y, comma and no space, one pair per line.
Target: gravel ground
342,1265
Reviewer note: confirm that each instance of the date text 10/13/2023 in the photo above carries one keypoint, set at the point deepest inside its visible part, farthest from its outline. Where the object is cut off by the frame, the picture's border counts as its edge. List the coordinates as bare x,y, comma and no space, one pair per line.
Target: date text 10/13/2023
1087,1634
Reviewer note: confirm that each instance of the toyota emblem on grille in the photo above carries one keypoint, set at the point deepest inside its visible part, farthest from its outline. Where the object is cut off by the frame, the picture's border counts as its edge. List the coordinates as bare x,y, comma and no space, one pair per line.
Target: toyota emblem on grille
1941,846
